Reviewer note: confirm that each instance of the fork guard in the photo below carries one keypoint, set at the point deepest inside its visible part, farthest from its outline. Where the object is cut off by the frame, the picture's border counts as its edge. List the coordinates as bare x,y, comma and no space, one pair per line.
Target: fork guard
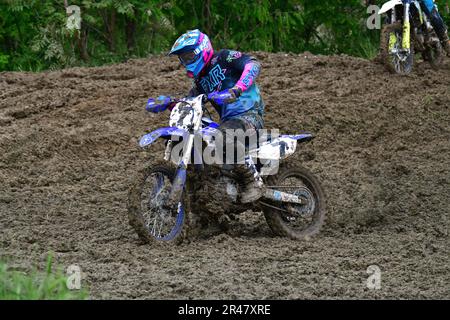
178,184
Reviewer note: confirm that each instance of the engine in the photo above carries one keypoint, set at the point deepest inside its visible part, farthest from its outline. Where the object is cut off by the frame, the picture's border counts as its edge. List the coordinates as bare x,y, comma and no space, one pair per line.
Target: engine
216,194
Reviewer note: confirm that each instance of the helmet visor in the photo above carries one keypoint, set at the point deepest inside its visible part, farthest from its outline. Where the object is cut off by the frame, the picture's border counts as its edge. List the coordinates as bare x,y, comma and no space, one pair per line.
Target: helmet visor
187,58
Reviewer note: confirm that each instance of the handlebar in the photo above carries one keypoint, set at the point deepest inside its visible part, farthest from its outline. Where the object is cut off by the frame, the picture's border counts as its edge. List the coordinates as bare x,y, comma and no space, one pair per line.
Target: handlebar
205,99
220,98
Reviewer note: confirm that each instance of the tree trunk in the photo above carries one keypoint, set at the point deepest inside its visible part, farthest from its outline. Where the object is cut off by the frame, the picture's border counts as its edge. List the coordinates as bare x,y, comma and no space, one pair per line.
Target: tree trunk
112,28
109,20
82,43
130,31
207,14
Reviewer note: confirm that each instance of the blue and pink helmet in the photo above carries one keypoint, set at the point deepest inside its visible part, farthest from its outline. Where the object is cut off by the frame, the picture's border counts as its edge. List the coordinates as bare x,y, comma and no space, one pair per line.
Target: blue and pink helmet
194,51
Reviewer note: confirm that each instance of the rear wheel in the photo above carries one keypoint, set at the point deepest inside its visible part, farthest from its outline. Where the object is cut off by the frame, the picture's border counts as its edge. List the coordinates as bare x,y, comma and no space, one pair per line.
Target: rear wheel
395,58
298,222
152,221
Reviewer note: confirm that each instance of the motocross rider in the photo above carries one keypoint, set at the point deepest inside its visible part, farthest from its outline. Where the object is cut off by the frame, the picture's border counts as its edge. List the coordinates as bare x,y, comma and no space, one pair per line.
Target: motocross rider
228,78
437,22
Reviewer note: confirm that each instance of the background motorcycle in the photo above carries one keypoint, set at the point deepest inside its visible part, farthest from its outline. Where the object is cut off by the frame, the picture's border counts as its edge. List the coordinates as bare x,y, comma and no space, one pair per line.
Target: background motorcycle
168,202
407,30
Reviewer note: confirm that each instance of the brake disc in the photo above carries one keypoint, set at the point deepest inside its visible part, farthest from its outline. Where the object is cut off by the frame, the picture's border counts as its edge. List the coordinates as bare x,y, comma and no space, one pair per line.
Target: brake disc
305,210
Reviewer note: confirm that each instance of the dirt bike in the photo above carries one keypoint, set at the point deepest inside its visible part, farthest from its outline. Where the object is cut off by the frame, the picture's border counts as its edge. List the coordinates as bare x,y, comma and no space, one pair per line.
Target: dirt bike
167,198
407,30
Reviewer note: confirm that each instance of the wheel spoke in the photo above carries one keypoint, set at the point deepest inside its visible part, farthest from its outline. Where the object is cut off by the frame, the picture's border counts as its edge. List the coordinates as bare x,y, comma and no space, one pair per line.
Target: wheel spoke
154,226
160,228
157,219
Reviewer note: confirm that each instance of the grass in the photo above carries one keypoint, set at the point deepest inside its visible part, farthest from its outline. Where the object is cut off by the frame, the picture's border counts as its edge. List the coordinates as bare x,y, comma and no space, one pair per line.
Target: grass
16,285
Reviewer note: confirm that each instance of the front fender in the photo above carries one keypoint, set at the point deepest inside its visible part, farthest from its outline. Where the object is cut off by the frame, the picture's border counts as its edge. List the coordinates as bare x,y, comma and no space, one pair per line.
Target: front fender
165,132
389,5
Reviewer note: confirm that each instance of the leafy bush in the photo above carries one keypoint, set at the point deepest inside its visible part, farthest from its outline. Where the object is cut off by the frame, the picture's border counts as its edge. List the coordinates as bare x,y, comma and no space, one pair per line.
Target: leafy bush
34,34
15,285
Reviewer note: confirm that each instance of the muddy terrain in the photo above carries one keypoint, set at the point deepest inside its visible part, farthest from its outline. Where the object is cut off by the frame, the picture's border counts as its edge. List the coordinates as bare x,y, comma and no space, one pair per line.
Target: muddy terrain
68,151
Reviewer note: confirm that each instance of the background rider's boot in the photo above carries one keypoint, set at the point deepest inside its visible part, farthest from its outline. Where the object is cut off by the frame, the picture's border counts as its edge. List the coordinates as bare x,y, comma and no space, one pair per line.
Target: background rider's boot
446,44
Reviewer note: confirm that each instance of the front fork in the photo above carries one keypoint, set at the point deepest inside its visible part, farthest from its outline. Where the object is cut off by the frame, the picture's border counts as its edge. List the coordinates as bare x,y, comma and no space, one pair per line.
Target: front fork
179,181
392,36
406,32
406,39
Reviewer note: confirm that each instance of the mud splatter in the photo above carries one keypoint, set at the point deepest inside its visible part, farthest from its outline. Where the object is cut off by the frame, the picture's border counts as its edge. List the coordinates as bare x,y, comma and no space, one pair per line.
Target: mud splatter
68,147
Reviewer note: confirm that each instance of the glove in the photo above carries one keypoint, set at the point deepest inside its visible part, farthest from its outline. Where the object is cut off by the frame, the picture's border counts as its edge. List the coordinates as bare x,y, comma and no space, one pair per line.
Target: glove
237,92
225,96
159,105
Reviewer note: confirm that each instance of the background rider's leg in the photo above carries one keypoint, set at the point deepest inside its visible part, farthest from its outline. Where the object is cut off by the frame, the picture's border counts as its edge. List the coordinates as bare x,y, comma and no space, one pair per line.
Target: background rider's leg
437,22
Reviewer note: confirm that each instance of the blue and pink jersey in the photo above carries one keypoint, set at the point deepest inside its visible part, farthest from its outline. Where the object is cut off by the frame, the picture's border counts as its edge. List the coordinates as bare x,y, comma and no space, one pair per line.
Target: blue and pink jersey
227,69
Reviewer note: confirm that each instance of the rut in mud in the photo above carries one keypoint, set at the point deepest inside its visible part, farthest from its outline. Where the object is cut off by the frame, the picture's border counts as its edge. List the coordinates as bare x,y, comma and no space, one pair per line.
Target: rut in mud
68,147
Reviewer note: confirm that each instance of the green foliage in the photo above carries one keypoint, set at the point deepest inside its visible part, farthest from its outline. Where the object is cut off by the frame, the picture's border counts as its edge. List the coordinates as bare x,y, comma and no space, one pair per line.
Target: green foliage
34,36
3,60
15,285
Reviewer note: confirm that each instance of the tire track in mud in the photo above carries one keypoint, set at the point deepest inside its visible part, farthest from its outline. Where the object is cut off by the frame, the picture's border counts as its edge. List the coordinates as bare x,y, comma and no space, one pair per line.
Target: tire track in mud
68,147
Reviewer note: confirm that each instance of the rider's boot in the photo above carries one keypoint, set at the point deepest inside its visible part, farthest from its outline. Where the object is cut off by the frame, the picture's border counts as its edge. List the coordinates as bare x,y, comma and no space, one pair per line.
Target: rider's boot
252,183
446,44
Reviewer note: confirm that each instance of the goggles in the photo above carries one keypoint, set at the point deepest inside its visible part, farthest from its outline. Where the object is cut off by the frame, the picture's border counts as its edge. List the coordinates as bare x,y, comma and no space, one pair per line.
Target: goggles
187,58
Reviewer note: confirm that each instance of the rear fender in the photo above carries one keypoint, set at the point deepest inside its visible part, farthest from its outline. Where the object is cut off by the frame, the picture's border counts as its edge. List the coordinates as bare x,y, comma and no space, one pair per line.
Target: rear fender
304,137
281,147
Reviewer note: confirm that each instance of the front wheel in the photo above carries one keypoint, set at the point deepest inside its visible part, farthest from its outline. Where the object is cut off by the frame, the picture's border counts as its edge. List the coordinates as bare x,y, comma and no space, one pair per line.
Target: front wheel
395,58
147,214
302,221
